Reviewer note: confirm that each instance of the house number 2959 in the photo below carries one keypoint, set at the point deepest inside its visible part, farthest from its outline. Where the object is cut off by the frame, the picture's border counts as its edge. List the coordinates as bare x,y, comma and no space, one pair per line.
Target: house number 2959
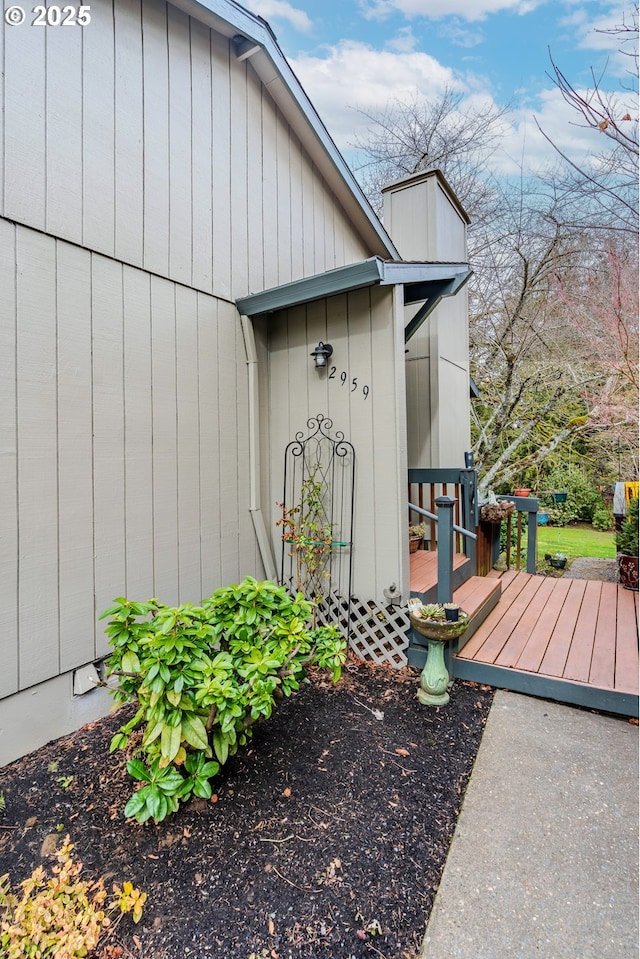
344,380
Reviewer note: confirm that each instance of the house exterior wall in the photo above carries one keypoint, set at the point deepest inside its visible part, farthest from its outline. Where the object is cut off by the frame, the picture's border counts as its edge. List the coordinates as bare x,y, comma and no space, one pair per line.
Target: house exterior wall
365,329
143,137
148,178
427,223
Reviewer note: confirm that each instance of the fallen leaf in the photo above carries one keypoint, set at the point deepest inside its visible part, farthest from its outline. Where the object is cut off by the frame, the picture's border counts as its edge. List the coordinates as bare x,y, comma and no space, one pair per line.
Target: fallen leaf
272,927
402,752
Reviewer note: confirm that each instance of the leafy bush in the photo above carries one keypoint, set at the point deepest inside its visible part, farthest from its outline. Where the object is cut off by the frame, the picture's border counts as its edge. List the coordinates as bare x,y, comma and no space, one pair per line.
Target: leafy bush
63,917
583,496
602,519
627,538
202,676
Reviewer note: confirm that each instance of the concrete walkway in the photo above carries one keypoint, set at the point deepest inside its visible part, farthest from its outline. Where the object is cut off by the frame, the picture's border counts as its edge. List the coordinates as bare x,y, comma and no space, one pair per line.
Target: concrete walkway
544,861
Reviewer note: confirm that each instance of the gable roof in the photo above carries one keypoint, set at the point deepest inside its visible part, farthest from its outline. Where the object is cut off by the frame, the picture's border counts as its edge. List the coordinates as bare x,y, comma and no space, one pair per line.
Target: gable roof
253,39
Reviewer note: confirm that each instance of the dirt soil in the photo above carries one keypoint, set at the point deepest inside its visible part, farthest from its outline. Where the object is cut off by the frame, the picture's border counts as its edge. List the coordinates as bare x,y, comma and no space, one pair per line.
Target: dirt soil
326,837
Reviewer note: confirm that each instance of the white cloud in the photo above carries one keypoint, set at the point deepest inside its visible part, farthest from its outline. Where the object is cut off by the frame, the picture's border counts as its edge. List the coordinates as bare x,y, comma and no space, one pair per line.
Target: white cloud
354,76
280,10
436,9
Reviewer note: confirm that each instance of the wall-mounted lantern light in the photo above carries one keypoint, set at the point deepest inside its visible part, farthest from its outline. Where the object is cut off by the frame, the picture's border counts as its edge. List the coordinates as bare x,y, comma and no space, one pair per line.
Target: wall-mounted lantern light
321,354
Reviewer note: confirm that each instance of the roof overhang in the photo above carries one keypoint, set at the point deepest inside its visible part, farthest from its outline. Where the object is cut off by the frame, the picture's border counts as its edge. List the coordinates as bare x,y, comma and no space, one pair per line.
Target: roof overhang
424,283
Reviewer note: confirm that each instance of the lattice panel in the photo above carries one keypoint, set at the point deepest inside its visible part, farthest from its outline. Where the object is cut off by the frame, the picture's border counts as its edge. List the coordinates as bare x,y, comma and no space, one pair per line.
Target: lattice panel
376,632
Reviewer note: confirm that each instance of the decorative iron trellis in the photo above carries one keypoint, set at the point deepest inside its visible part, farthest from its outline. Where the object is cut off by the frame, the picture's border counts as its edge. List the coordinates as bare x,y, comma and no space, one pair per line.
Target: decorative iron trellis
317,525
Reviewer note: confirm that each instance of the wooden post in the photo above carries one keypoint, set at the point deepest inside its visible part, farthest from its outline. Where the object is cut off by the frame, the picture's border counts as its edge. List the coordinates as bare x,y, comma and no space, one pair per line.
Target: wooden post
445,505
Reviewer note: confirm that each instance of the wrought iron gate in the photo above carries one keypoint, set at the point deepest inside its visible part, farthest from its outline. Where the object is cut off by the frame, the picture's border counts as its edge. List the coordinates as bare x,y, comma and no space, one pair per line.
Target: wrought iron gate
317,519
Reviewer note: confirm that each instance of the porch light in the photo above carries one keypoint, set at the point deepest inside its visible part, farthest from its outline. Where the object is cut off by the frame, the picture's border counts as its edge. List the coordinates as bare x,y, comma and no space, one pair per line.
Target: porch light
321,354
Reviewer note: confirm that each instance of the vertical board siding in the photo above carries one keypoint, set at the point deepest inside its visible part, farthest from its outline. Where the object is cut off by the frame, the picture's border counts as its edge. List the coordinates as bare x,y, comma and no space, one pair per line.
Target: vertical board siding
37,458
187,390
228,438
64,131
25,124
165,441
8,464
129,161
180,226
110,570
221,200
138,472
75,474
156,136
124,456
98,132
359,326
202,156
143,137
209,459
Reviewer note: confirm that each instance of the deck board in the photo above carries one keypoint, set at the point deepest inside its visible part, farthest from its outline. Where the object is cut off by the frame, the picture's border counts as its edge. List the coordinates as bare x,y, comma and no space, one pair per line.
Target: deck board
574,640
626,674
529,621
578,665
555,657
603,658
539,640
423,569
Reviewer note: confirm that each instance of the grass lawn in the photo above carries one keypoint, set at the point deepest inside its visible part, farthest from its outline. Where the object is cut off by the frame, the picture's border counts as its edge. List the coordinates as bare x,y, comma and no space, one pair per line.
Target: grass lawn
575,541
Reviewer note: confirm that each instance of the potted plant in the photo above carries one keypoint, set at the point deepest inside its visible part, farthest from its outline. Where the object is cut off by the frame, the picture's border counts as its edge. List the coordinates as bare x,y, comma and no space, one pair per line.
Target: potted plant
627,547
416,536
522,491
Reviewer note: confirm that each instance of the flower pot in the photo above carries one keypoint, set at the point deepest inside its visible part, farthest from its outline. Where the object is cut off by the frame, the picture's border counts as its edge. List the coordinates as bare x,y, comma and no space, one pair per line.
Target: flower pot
452,615
543,519
560,497
496,512
440,630
628,571
414,543
521,492
558,561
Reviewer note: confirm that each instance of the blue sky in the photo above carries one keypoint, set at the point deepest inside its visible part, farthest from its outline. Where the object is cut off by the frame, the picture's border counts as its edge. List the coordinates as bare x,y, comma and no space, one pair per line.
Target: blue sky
352,54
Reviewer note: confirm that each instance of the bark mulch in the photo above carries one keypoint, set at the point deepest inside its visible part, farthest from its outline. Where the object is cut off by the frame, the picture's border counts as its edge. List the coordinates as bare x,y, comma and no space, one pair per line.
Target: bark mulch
326,837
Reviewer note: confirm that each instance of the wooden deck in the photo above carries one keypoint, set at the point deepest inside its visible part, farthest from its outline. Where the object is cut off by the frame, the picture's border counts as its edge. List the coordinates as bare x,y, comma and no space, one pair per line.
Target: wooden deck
571,640
423,569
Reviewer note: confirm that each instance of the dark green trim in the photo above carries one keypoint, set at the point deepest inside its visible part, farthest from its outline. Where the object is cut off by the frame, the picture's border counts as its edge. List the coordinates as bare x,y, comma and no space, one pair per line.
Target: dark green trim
560,690
421,281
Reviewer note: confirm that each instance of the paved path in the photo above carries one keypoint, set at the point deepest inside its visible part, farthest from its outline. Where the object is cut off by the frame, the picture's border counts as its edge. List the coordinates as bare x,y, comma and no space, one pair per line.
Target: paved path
587,567
544,861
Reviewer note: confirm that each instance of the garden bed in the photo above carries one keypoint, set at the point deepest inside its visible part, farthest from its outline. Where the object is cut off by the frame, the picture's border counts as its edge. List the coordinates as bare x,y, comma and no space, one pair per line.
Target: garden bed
326,836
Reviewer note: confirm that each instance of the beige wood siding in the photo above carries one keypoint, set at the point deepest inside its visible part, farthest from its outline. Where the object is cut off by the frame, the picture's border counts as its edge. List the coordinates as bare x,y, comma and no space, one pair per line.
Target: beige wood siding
142,136
123,448
366,403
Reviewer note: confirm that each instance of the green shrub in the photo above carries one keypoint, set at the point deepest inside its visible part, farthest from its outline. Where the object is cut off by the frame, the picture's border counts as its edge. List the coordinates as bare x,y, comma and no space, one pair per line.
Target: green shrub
602,519
627,538
583,495
202,676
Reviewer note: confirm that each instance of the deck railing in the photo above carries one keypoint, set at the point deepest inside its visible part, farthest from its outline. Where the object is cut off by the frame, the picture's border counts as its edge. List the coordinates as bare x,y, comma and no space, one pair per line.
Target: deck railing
427,485
525,506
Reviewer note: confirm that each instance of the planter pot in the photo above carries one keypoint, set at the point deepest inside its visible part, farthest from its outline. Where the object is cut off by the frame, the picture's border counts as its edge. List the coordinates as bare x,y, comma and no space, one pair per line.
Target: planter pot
414,543
521,492
434,678
558,562
543,519
496,512
628,571
452,615
559,497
